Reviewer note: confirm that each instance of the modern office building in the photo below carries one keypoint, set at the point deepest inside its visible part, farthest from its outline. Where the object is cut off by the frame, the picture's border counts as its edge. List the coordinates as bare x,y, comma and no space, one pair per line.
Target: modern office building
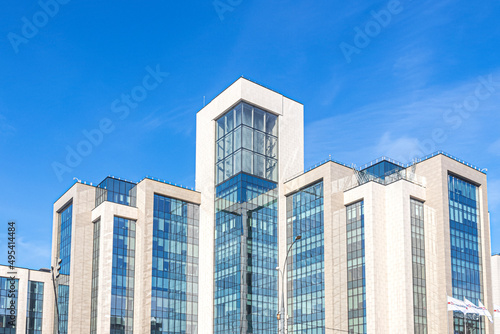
129,256
28,296
262,245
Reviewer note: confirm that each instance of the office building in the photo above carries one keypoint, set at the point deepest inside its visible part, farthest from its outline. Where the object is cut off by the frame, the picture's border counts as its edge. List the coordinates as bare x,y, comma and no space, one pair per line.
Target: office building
262,245
28,296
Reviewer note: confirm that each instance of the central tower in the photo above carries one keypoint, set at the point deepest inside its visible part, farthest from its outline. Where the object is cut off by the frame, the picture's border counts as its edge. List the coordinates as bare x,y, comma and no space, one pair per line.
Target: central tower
249,141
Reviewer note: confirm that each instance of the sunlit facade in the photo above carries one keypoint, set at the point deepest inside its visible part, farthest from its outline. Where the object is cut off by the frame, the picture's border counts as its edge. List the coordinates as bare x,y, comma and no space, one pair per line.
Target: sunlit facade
263,245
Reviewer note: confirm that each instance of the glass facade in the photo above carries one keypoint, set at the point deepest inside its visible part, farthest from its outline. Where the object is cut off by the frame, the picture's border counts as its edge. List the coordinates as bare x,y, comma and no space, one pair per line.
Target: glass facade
8,305
465,235
65,221
418,263
116,191
246,216
174,295
123,272
247,141
63,302
34,312
95,277
382,169
64,247
356,284
306,262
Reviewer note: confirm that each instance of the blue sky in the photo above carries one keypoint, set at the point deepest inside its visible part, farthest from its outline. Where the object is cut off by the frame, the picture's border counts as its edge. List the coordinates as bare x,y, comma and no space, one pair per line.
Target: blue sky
426,78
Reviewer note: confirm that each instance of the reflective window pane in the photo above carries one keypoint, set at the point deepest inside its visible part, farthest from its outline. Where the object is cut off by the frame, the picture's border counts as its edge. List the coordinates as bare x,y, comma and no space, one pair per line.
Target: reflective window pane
247,115
220,171
271,169
237,162
247,138
237,115
228,167
247,159
229,121
221,127
237,139
258,165
258,142
271,124
258,119
220,149
271,147
228,144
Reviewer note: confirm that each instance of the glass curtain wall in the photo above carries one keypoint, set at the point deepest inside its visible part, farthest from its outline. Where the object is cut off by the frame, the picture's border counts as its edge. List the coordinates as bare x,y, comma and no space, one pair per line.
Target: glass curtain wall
306,261
418,262
465,237
356,283
64,253
8,325
246,244
34,311
95,277
123,274
174,300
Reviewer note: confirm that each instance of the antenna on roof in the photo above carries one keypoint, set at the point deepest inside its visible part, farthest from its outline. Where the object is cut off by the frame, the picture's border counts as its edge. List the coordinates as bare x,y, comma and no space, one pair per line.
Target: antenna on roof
203,100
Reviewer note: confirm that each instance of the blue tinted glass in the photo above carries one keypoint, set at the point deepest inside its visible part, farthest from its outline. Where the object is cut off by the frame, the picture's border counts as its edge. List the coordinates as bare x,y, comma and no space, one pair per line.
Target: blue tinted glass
246,252
63,302
116,191
247,147
9,290
356,278
465,248
174,300
34,308
123,275
65,239
306,262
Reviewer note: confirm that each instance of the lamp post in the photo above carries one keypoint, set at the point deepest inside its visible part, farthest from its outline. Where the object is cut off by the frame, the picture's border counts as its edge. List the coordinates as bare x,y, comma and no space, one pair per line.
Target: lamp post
282,315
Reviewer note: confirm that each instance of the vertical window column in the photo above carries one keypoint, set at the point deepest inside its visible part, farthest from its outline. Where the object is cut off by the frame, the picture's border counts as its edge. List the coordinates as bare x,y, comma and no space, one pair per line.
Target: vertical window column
34,311
356,284
8,314
306,262
418,265
95,277
465,244
174,294
123,272
64,253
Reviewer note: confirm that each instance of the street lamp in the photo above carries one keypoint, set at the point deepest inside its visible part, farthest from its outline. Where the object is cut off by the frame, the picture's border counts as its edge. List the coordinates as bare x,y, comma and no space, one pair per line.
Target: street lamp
281,315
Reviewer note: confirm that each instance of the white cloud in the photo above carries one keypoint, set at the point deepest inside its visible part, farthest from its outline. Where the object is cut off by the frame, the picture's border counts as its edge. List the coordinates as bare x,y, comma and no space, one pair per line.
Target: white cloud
494,147
33,254
397,148
422,121
5,127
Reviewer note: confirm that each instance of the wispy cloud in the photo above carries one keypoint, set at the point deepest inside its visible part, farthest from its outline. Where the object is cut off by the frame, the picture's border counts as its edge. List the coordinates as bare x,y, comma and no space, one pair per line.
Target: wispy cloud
418,121
396,148
5,127
494,147
180,119
31,254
